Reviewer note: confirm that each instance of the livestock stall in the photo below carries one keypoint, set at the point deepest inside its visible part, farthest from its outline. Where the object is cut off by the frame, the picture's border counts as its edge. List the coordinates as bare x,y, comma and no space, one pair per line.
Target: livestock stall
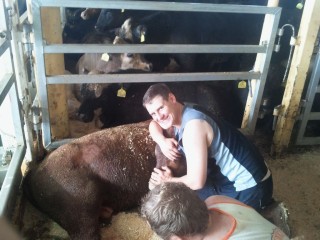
37,89
50,49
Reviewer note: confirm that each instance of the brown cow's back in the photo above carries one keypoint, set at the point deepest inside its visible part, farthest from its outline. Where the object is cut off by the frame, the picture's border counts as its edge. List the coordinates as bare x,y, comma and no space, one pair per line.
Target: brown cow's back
109,168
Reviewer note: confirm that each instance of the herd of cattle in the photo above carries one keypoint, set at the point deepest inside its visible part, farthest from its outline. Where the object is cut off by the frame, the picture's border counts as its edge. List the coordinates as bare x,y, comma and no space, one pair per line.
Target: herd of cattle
105,172
155,27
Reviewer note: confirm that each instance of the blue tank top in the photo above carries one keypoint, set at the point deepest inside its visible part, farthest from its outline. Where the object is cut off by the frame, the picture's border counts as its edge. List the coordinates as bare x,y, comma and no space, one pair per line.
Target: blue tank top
232,159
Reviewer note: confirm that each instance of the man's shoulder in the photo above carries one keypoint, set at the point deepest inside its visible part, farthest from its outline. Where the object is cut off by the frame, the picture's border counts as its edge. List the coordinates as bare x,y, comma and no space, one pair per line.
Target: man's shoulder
217,199
196,126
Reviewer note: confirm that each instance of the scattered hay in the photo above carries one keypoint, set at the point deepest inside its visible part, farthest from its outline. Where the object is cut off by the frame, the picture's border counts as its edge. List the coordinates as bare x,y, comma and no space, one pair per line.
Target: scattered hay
128,226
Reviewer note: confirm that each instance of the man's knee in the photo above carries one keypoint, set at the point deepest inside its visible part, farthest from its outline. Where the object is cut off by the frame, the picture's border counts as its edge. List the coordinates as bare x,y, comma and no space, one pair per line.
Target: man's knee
258,196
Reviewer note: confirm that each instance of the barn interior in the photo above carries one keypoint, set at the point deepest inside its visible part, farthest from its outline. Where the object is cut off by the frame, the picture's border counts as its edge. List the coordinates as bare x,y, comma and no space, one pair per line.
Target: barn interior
67,70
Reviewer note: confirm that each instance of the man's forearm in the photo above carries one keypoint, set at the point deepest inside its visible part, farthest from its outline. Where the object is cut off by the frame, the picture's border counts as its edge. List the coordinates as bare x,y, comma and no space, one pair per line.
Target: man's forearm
156,132
194,185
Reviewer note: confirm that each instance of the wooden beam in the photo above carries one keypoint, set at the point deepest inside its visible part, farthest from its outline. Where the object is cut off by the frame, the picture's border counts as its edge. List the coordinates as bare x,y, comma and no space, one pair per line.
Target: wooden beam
289,112
54,63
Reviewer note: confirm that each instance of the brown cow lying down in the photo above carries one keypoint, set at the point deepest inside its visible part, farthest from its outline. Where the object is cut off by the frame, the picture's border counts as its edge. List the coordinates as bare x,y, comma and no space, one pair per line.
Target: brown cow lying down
106,171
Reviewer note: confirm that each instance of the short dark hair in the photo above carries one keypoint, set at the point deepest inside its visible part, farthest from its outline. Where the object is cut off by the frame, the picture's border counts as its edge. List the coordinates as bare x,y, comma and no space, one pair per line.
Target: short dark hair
175,209
154,90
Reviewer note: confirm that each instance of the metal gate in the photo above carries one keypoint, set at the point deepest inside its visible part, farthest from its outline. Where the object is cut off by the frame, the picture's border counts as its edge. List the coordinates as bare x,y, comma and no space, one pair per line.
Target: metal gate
256,77
12,140
309,128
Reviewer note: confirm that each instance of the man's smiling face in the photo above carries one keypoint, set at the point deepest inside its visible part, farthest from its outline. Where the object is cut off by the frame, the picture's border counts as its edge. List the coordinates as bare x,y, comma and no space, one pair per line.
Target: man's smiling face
161,111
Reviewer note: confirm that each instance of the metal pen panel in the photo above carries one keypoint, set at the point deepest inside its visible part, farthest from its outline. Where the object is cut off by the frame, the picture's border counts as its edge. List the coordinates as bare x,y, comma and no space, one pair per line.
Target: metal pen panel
8,91
162,6
264,49
154,48
152,77
306,113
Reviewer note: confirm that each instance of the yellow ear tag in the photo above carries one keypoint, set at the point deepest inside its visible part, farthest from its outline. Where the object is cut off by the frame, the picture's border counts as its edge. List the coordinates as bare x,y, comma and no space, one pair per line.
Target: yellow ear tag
121,93
105,57
299,5
242,84
122,10
142,39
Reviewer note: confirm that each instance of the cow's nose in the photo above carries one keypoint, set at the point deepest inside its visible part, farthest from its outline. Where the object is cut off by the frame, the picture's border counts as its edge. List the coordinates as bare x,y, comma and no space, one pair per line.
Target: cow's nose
86,117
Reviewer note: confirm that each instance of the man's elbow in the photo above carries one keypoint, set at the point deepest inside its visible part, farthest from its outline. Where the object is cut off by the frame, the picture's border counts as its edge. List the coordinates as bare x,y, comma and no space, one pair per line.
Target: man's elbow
196,185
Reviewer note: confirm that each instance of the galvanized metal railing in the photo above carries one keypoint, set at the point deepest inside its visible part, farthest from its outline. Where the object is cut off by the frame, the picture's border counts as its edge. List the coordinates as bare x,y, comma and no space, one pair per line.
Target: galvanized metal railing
263,49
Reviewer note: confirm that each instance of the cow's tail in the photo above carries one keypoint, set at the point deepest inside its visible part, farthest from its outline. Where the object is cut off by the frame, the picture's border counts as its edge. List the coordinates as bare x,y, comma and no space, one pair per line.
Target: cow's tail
26,183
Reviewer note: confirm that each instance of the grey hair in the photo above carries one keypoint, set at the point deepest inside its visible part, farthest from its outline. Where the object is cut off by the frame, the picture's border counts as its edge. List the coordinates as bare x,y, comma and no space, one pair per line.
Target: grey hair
175,209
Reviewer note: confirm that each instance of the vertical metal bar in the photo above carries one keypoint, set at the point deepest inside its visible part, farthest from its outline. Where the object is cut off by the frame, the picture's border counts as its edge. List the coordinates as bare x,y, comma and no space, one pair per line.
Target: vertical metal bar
22,84
40,72
5,85
16,116
4,46
264,67
11,183
261,65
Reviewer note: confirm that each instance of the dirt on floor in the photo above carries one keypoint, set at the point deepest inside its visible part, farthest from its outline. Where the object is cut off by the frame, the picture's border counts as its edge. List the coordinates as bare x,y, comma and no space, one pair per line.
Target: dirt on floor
296,183
296,177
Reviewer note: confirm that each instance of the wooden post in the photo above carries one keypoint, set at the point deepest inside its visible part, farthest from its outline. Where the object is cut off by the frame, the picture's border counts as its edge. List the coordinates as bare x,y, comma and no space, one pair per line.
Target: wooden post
308,31
54,63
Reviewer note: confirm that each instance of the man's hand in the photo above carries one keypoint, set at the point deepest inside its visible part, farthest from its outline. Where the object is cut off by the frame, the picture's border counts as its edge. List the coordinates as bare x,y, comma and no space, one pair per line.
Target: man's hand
151,185
169,148
159,176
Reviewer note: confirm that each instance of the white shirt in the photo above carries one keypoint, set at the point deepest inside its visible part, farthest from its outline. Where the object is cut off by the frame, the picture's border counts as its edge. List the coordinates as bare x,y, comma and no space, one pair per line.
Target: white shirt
249,224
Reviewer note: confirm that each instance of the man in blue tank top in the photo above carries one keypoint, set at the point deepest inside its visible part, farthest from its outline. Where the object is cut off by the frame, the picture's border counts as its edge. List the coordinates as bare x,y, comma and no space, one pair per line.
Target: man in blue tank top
220,159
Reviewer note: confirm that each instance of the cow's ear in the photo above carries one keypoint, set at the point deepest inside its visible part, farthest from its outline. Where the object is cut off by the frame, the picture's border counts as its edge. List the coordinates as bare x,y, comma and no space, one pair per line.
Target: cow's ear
135,32
139,32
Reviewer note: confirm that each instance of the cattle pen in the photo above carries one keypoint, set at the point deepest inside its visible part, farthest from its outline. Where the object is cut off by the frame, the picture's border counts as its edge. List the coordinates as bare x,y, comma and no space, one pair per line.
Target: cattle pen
229,59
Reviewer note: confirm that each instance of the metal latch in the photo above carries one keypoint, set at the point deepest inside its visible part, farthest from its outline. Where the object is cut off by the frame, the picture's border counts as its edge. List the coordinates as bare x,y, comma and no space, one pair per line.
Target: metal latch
3,34
276,112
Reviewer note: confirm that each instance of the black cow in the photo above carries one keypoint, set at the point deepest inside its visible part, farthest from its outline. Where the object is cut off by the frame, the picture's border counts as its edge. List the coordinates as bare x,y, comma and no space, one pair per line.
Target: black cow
122,110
